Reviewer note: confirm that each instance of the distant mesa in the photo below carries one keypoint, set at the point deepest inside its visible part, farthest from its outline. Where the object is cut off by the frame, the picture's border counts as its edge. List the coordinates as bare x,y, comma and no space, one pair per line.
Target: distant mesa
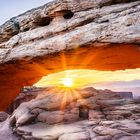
125,95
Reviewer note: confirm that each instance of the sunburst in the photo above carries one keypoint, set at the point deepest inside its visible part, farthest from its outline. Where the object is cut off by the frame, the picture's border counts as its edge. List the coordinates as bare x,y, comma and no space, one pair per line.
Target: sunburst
68,82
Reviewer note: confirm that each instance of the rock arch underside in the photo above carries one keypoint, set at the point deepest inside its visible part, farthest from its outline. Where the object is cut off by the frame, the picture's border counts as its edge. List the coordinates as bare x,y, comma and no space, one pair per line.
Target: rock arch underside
67,34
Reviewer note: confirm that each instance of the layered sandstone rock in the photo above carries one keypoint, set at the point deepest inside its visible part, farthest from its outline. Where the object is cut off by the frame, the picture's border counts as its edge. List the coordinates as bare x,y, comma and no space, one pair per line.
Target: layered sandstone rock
63,25
26,94
58,35
3,116
74,114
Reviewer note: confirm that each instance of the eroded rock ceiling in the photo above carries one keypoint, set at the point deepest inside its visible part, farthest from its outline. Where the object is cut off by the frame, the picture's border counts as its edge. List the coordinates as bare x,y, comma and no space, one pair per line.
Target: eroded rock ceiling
67,34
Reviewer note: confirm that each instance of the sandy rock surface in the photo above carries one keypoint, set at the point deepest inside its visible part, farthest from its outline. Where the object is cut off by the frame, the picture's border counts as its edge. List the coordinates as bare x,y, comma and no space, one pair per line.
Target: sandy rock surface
81,114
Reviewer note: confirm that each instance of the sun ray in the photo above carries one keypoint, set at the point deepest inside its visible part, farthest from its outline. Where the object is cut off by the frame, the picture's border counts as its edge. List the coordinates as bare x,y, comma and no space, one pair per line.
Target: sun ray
63,61
40,68
87,60
77,94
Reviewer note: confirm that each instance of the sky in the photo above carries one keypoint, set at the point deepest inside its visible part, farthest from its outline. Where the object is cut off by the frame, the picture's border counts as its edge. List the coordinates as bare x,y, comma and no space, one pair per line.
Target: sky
11,8
122,80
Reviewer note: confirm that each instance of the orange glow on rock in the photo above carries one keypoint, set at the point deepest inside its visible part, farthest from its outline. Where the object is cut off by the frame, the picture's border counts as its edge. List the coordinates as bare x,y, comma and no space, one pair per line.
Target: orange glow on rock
108,57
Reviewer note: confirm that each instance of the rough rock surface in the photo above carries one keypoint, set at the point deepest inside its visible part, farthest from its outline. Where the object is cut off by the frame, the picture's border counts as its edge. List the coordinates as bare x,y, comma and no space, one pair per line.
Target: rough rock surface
34,43
64,24
26,94
3,116
74,114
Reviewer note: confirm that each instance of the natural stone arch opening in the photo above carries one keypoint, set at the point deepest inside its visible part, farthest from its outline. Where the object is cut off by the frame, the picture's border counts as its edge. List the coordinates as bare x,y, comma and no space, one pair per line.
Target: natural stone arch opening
17,74
84,41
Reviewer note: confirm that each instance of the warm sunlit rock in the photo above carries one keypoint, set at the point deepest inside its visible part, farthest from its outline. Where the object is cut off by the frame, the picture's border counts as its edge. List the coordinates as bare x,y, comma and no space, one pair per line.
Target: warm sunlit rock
66,35
69,34
74,114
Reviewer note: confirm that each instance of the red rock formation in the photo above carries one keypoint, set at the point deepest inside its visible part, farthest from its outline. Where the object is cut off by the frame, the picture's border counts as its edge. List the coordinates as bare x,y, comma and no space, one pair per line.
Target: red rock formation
67,35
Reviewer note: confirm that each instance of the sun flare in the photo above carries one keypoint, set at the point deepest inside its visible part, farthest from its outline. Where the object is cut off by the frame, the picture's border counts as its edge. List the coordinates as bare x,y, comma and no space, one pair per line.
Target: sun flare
80,78
68,82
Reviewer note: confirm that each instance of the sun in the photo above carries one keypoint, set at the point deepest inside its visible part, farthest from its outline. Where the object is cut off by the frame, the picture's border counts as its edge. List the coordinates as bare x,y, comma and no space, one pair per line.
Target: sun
67,82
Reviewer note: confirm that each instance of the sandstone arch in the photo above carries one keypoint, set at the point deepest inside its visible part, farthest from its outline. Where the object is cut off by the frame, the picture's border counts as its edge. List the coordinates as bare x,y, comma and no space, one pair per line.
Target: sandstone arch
99,35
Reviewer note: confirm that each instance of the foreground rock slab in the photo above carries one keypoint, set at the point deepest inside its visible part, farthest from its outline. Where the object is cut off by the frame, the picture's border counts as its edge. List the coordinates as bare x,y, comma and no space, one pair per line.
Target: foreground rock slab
73,114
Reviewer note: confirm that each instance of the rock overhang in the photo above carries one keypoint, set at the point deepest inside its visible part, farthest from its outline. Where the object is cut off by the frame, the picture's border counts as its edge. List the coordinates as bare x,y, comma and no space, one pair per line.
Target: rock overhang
109,24
38,42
